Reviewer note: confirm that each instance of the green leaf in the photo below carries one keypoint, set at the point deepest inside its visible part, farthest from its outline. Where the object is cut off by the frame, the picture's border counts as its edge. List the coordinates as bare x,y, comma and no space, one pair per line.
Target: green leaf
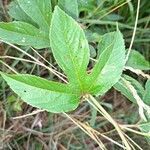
122,87
146,96
17,13
92,51
70,7
70,47
39,10
22,33
34,30
105,41
137,61
87,5
145,127
108,69
43,94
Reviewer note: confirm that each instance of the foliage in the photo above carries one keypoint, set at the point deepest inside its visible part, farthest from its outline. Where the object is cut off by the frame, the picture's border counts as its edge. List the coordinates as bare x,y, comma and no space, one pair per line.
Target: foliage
122,87
137,61
71,51
30,29
72,44
72,10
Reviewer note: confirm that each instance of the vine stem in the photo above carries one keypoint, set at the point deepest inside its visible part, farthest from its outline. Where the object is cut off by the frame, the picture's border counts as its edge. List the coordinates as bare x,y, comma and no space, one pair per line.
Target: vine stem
99,108
134,30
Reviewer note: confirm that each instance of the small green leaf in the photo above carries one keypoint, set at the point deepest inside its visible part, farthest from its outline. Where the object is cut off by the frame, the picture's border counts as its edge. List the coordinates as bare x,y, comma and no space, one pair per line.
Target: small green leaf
145,127
146,97
108,69
122,87
43,94
86,5
105,41
70,7
137,61
22,33
92,51
17,13
39,10
70,47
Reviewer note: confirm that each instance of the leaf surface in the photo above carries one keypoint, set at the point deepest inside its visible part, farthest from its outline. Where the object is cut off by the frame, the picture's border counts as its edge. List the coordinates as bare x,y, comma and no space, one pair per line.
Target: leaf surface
105,41
122,87
39,10
146,96
51,96
70,7
22,33
70,47
108,69
145,127
17,13
137,61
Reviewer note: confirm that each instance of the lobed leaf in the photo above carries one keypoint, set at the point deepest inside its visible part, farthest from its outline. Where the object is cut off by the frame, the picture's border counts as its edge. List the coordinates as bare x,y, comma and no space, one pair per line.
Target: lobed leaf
70,47
22,33
51,96
108,69
71,51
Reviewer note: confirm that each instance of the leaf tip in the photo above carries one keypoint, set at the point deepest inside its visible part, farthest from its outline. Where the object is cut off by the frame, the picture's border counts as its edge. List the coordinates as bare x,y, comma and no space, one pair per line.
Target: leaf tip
57,8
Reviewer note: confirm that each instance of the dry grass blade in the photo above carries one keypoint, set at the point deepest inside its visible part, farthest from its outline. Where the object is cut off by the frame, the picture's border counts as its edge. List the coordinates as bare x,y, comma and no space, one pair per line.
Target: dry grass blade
8,67
99,108
37,61
138,72
58,74
20,59
114,9
30,114
130,139
43,58
88,132
141,104
55,69
136,132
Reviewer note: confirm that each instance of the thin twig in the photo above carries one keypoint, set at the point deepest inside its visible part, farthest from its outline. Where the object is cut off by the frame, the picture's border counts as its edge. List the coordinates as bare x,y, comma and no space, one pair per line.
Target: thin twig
86,131
133,142
30,114
134,30
36,60
9,67
53,67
